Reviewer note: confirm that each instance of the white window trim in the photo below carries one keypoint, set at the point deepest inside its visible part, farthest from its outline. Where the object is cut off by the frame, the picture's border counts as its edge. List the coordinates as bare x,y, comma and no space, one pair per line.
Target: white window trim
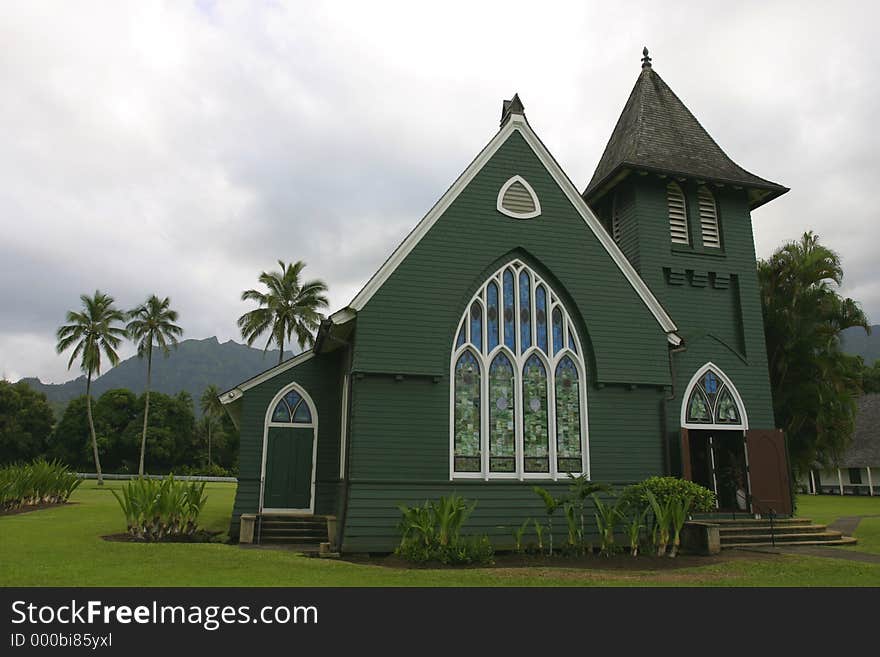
695,379
518,215
267,423
518,361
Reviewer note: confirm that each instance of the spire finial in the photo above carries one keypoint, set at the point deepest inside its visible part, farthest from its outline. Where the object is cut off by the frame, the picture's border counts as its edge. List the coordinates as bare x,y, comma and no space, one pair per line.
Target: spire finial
646,61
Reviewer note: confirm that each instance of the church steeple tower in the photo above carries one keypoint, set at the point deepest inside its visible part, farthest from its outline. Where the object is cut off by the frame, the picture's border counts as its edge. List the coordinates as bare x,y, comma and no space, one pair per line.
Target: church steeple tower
657,133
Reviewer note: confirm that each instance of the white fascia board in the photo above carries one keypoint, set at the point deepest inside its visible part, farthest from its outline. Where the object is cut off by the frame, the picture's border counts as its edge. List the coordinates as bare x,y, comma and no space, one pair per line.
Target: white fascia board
519,124
342,316
235,393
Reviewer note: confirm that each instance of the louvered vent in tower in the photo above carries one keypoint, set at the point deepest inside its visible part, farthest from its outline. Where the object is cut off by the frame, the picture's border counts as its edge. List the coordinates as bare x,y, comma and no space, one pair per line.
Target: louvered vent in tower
708,218
517,199
678,229
615,219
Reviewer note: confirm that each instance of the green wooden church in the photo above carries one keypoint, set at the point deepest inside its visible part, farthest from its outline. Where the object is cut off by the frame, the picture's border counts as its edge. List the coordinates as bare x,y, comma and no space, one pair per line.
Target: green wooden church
525,330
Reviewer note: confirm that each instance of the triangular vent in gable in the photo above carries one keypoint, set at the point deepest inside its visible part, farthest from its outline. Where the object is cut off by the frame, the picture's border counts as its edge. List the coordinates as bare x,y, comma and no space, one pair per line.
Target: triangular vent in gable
517,199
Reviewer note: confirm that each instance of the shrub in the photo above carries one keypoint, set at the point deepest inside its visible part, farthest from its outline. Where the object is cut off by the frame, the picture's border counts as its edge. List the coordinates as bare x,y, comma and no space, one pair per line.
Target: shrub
39,482
663,489
157,510
432,533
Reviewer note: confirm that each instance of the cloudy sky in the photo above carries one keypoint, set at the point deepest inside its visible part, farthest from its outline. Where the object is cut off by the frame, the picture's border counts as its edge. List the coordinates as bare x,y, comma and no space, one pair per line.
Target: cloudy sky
180,148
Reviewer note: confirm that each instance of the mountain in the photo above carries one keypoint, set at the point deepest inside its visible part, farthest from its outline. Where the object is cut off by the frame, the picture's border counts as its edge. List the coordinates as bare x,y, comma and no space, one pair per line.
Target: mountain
192,367
858,343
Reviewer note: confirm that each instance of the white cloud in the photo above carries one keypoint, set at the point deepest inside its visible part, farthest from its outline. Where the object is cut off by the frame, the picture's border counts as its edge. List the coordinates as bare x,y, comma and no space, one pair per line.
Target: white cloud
182,148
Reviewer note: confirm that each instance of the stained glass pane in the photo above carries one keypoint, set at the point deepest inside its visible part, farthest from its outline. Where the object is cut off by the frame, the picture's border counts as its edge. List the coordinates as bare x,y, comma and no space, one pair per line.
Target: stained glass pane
492,316
568,417
509,312
302,413
525,311
502,441
459,341
698,408
571,342
477,325
281,412
467,414
710,385
726,411
541,317
558,341
536,436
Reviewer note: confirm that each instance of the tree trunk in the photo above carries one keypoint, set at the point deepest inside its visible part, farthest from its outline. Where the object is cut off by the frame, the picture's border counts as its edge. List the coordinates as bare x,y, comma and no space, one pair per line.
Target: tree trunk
209,442
281,351
92,429
146,408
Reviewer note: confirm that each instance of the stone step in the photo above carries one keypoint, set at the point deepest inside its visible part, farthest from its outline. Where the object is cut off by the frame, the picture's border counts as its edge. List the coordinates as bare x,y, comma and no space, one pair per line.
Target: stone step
782,538
843,540
732,532
752,522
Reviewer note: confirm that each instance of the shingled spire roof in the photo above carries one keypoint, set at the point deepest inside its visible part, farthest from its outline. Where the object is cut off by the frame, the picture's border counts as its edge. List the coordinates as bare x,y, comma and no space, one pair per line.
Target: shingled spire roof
656,132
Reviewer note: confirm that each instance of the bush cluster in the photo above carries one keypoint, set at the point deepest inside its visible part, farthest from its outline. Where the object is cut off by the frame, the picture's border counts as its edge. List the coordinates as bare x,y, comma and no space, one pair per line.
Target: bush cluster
38,482
161,509
665,489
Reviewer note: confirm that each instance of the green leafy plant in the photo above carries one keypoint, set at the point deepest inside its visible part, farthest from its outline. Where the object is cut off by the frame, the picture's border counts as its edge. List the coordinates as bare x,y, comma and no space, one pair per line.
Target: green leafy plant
662,522
634,530
679,510
518,533
607,517
575,532
579,490
551,504
161,509
35,483
539,533
431,532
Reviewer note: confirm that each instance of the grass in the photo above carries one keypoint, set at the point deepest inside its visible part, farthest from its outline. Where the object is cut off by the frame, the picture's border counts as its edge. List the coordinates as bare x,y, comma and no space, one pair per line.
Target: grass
825,509
61,546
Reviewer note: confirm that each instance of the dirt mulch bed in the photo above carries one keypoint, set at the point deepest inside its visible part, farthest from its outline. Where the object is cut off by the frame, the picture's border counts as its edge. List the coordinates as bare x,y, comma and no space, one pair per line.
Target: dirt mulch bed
34,507
620,562
198,537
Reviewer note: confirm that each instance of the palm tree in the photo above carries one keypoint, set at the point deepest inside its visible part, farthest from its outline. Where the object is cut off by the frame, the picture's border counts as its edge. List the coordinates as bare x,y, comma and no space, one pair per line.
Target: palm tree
814,383
152,321
92,331
212,409
290,307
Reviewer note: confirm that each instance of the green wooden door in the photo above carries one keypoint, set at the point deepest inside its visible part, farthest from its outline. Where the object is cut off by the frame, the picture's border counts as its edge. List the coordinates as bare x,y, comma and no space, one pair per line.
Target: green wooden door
288,468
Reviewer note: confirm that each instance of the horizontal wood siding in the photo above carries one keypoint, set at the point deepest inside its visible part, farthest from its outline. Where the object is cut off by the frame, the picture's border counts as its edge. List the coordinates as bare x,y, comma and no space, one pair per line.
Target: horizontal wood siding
321,378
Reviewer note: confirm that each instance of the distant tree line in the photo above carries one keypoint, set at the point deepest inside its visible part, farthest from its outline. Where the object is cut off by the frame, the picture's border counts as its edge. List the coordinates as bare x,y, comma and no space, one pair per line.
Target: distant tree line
176,441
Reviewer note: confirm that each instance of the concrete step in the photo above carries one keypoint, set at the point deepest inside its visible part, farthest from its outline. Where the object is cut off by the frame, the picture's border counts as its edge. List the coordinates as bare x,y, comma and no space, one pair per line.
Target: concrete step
843,540
732,532
752,522
783,538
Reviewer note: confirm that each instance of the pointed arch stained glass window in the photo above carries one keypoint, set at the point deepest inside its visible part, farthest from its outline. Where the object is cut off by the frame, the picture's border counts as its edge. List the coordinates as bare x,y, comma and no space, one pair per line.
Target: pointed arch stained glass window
509,311
467,414
518,388
535,416
502,429
292,409
568,417
491,316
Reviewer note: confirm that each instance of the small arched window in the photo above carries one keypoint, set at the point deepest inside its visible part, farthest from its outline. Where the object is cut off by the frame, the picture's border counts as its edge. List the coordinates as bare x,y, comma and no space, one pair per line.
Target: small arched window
518,406
708,218
677,209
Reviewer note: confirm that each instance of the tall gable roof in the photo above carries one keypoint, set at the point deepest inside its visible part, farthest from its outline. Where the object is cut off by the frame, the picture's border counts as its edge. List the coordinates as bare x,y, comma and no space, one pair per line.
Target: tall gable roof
657,132
513,120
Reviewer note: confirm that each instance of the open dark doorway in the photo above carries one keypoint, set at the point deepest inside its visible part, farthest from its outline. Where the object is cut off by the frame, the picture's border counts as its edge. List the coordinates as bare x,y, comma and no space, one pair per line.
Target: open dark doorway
718,462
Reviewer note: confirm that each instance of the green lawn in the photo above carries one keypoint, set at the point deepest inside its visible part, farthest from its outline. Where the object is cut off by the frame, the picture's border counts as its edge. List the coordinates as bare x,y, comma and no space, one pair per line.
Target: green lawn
826,508
62,547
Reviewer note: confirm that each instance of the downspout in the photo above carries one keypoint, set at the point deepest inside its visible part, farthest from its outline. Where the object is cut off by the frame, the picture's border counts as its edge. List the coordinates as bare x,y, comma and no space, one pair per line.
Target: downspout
667,448
346,478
